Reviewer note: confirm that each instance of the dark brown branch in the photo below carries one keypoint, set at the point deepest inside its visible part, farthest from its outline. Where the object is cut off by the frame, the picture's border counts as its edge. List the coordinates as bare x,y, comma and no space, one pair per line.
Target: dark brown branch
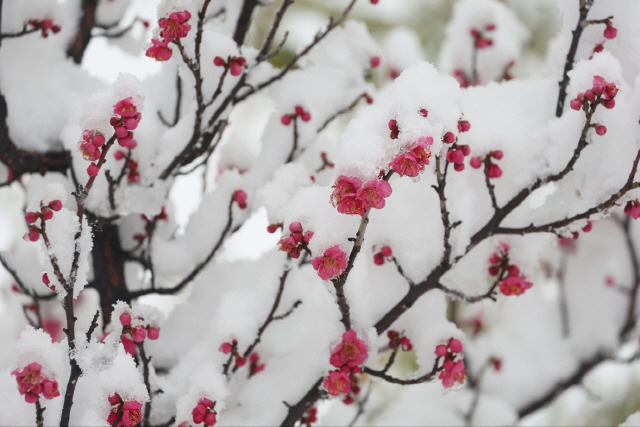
39,414
176,288
295,140
550,227
244,20
297,411
444,212
317,39
585,5
630,317
348,108
23,161
93,325
489,184
83,35
176,112
490,294
145,374
25,30
264,52
401,271
339,282
493,225
119,33
429,376
288,312
194,66
270,317
22,285
576,378
81,195
52,257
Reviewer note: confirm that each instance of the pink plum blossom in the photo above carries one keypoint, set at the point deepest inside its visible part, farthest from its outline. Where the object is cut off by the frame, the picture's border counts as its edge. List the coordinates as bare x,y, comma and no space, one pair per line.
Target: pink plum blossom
632,208
336,383
331,264
452,372
351,352
514,285
344,196
159,51
175,26
125,108
32,382
373,194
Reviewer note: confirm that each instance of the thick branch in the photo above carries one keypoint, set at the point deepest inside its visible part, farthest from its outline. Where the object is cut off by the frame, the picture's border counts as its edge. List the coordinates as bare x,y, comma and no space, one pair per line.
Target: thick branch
244,20
83,35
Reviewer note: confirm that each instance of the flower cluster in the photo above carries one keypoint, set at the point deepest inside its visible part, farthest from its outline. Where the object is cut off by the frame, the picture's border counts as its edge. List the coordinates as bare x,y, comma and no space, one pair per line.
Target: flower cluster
330,264
394,129
493,170
126,118
379,257
352,198
453,366
91,144
234,63
32,382
204,412
480,40
175,26
295,242
44,25
172,29
414,161
149,225
602,92
457,152
632,208
397,340
514,283
159,50
240,197
136,334
46,213
254,364
347,357
299,111
122,413
231,348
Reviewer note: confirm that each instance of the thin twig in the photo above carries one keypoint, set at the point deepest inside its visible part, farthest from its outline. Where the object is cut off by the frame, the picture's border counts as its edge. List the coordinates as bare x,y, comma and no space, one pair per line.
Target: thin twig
585,5
270,317
192,275
147,384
